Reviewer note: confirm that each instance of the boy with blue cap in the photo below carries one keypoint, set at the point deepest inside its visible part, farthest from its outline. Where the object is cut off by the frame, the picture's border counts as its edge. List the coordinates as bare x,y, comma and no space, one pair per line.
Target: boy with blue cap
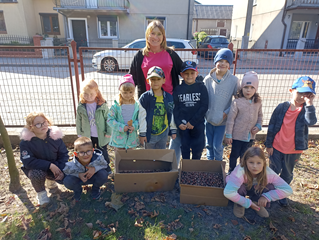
287,134
221,86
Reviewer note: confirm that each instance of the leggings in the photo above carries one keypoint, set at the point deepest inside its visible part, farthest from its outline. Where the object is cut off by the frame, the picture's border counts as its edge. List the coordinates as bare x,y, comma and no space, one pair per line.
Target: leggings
38,178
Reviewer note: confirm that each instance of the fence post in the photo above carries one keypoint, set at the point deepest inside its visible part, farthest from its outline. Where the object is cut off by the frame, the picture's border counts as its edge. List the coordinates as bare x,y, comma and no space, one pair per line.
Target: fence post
235,64
75,61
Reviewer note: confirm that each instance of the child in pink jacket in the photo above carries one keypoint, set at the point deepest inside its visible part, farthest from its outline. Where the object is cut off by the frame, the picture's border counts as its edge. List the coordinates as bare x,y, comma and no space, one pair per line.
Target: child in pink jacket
244,118
253,178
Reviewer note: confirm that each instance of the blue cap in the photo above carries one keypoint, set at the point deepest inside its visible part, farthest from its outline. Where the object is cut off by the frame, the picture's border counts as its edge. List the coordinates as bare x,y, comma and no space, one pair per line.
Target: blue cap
188,65
304,84
224,54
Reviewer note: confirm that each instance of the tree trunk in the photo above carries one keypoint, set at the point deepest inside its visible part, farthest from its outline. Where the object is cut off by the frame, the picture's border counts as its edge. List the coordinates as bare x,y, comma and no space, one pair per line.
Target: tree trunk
13,171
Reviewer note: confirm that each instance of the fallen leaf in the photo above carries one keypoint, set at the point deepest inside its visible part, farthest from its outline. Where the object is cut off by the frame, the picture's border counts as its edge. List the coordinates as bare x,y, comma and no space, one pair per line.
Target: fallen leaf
247,238
90,225
139,206
217,226
293,231
171,237
45,234
115,201
272,228
283,237
155,214
234,222
96,234
68,233
60,229
66,223
139,222
292,219
191,229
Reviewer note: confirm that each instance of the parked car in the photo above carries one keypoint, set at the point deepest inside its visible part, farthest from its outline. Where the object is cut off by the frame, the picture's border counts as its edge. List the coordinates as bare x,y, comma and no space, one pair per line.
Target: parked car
112,60
213,41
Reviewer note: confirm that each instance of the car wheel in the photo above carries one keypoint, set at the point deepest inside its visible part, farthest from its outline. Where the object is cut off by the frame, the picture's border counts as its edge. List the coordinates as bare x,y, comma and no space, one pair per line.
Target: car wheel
109,64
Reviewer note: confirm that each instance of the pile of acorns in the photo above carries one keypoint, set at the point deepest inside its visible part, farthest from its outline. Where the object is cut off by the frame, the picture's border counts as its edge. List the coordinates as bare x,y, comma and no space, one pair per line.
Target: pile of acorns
142,171
207,179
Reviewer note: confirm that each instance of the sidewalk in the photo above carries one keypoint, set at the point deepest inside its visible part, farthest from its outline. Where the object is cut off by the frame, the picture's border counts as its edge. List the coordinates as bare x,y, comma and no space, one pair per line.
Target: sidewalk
70,135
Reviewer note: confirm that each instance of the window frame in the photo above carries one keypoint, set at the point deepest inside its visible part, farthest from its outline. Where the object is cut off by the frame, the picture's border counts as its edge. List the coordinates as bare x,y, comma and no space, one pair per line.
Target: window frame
108,27
160,18
50,15
220,21
4,21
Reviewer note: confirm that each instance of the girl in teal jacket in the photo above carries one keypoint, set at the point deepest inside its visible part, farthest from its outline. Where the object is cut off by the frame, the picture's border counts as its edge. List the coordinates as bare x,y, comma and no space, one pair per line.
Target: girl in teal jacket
123,116
91,117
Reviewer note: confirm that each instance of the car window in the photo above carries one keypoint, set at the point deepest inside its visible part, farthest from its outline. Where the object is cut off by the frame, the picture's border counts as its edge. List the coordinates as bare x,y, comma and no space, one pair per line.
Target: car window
175,44
219,40
140,44
206,40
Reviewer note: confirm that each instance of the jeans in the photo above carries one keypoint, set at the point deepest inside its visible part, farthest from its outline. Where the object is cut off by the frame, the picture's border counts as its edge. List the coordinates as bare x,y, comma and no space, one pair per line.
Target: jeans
193,139
75,183
237,150
95,142
284,164
253,195
157,141
176,145
214,141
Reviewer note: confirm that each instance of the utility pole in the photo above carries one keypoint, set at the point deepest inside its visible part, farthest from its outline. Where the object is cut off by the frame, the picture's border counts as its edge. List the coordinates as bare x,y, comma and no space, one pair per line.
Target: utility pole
245,38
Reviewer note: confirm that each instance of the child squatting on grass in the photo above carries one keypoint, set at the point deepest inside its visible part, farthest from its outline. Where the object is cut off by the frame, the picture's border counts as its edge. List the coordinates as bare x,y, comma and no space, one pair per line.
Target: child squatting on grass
87,167
156,112
91,117
244,119
123,116
253,178
43,154
287,134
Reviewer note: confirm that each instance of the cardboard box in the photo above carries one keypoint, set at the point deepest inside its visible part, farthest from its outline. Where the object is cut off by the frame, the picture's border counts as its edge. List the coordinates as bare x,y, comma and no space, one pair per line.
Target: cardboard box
192,194
145,159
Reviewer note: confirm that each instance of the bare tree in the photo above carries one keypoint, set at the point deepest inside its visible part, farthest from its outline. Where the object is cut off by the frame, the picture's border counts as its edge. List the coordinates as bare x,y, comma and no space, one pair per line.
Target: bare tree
13,171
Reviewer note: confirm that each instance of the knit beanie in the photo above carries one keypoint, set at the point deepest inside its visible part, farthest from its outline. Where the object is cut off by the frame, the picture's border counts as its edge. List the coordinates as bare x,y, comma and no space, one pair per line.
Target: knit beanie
250,79
128,78
225,54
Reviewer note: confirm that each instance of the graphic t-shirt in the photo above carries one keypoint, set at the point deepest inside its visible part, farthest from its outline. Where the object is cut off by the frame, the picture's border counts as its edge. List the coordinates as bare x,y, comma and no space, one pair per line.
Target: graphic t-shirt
90,109
160,122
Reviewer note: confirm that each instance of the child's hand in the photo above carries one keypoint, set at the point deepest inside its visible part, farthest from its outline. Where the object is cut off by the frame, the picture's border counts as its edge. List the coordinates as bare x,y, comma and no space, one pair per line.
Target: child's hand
189,126
224,116
255,206
131,129
254,130
309,99
82,176
228,141
108,136
182,126
270,151
262,202
56,171
173,136
142,140
125,128
90,172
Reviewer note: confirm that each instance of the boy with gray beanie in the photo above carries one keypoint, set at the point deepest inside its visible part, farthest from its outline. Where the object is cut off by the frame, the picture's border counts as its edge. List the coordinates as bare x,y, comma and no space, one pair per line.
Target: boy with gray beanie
244,119
221,86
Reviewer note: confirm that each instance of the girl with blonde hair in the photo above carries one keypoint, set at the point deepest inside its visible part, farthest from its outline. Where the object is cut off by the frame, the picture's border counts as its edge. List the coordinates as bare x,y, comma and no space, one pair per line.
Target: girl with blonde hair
253,178
43,154
91,117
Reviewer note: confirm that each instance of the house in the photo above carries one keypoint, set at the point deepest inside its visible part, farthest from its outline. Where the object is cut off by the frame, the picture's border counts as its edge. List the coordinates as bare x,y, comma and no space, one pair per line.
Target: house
95,22
212,19
277,24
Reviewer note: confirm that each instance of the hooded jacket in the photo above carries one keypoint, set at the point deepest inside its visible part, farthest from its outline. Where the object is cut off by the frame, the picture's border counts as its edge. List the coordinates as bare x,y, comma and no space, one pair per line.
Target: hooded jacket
74,167
36,153
83,127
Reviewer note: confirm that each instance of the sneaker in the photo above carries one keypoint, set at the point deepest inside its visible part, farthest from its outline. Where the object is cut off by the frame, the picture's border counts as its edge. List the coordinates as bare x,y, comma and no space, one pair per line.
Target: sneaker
283,202
96,194
43,197
239,211
77,196
51,184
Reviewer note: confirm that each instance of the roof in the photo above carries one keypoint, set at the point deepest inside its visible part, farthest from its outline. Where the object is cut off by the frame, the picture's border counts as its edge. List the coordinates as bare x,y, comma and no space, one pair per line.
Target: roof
213,11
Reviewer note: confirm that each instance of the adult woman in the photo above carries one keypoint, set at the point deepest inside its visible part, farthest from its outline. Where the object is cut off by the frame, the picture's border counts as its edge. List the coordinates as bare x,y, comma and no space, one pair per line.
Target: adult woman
42,153
156,53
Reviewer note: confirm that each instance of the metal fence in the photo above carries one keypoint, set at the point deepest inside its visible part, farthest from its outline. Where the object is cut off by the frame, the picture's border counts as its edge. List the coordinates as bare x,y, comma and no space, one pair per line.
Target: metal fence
16,40
51,82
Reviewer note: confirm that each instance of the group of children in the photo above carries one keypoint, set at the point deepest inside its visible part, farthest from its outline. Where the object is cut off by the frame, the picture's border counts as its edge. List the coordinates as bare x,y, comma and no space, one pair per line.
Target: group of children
197,109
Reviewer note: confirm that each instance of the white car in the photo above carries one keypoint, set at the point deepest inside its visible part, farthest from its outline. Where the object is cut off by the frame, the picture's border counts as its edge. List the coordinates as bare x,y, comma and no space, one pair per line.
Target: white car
113,60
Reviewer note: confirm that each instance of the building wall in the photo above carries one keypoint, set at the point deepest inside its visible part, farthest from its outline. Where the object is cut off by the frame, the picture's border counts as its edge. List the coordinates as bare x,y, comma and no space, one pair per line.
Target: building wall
199,24
14,17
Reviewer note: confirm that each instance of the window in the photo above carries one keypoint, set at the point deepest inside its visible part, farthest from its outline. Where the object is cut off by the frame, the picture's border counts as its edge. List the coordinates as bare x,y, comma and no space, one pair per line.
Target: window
3,28
8,1
175,44
305,29
220,24
251,32
161,19
107,26
50,23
